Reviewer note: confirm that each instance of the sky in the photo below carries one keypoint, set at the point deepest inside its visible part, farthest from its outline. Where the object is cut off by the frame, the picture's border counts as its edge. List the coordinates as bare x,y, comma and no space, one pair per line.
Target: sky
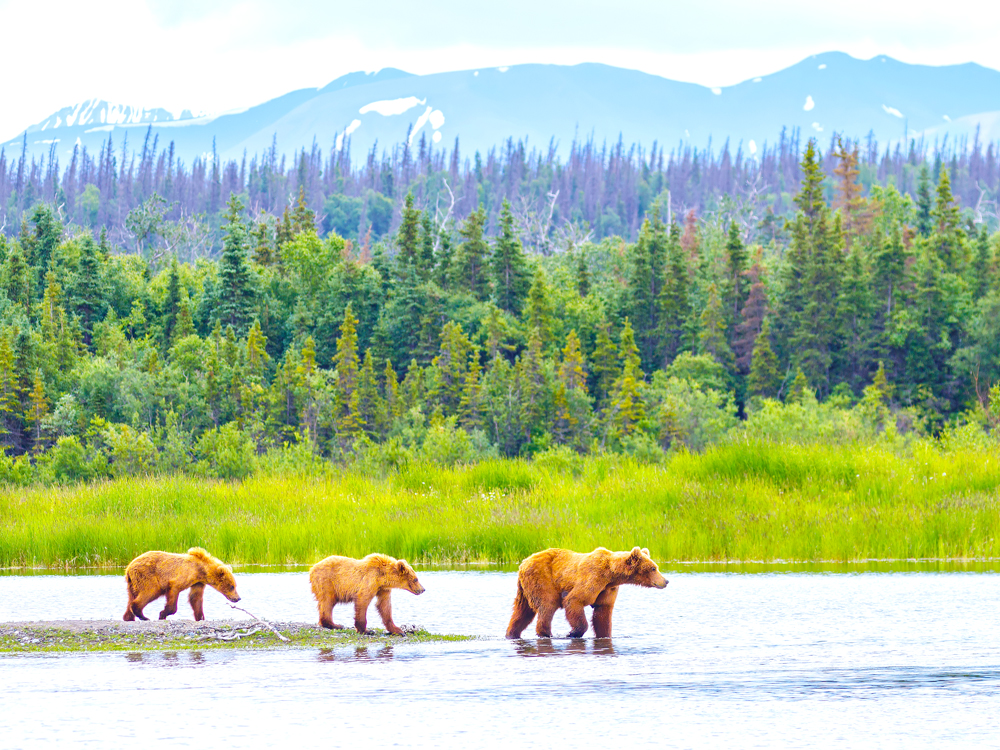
219,55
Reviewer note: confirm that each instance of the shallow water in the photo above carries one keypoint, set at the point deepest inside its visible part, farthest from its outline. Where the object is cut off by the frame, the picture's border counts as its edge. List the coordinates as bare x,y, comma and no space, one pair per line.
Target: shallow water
767,660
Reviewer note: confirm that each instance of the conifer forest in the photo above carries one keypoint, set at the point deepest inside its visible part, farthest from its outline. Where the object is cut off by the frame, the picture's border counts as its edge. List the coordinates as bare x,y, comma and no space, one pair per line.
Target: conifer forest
156,317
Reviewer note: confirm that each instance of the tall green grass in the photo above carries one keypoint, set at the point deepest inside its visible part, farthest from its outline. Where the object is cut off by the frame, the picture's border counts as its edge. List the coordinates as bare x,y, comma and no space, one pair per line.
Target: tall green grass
735,502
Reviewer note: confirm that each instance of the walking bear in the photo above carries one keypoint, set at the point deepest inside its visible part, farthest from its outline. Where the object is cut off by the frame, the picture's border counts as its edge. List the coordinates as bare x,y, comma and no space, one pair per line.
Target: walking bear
155,574
558,578
344,579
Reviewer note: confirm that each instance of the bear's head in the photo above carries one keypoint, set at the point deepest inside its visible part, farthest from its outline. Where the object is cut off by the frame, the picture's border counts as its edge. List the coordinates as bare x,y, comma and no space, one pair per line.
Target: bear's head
218,575
407,578
642,571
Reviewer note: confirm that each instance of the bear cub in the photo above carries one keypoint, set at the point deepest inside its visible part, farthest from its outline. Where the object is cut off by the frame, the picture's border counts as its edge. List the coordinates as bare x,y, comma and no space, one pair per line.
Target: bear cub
338,580
155,574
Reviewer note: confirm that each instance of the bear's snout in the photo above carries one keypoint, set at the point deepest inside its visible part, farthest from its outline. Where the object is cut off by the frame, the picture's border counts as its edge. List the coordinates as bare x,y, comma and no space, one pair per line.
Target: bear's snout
418,589
662,583
234,597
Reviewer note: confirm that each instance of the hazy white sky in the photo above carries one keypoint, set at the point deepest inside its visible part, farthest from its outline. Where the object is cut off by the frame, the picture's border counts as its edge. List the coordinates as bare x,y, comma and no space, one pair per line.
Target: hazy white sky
216,55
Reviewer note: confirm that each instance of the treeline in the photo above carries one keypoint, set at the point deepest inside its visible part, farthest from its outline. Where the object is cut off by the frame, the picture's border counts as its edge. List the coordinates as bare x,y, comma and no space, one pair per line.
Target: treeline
870,315
150,201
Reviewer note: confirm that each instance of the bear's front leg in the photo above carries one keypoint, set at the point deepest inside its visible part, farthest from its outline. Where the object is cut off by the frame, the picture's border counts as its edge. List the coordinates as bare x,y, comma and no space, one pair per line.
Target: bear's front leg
604,605
196,599
171,606
576,617
361,615
384,607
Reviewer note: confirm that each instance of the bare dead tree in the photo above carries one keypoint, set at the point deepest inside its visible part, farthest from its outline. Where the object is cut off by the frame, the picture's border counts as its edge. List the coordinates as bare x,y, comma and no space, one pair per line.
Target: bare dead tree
441,224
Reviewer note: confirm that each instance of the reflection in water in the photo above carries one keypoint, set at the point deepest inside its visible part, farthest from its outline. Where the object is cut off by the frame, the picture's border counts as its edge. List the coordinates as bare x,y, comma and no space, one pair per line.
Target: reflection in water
135,657
360,653
166,658
546,647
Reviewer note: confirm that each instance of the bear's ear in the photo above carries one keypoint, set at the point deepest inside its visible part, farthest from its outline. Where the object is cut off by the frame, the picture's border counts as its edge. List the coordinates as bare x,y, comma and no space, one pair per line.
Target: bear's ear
402,565
645,552
634,556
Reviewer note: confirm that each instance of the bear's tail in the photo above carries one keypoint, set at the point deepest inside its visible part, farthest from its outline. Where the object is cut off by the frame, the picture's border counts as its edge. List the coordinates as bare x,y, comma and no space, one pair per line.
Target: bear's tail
522,615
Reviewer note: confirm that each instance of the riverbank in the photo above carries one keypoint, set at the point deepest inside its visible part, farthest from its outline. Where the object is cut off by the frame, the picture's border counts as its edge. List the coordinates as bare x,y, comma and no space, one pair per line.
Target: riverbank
750,502
180,635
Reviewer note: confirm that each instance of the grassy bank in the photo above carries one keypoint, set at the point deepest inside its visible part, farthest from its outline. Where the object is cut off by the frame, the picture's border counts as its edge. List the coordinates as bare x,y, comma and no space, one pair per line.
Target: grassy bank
734,502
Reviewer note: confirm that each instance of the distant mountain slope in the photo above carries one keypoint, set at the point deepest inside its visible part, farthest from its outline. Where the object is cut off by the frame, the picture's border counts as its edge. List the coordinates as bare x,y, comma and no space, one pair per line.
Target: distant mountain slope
823,94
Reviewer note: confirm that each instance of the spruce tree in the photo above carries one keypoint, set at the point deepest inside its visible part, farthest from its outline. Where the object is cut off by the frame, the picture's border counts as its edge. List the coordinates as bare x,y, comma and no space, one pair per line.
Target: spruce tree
605,358
171,304
627,408
981,268
408,236
810,197
236,288
346,404
712,333
471,261
511,276
924,204
736,264
765,377
946,235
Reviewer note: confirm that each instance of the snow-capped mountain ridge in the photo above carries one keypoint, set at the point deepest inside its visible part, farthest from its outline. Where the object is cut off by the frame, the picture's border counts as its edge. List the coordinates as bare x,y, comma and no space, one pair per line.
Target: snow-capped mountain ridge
482,108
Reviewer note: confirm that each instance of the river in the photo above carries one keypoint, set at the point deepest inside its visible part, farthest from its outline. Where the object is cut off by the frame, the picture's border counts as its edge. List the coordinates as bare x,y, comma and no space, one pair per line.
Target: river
714,660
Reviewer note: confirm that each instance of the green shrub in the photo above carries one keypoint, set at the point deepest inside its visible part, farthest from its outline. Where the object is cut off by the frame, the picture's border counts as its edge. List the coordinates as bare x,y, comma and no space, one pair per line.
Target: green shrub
227,453
131,452
68,460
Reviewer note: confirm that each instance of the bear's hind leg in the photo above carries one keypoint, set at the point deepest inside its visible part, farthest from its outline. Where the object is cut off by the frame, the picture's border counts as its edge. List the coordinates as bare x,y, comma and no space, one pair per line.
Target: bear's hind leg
196,598
543,627
383,604
522,616
171,606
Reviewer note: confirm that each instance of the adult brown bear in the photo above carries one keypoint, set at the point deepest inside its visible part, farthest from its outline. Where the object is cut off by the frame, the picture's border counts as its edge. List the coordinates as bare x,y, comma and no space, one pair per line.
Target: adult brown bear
344,579
560,579
155,574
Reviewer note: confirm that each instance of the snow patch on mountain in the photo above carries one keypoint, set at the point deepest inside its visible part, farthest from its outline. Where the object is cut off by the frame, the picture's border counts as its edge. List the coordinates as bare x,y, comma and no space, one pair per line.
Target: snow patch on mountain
389,107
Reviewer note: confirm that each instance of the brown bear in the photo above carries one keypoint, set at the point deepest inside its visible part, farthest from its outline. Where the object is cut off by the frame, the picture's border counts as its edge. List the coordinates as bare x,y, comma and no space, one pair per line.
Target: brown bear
344,579
558,578
155,574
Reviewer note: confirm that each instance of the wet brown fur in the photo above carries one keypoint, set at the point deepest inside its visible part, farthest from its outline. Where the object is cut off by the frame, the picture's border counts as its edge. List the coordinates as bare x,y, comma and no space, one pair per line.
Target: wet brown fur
155,574
338,580
560,579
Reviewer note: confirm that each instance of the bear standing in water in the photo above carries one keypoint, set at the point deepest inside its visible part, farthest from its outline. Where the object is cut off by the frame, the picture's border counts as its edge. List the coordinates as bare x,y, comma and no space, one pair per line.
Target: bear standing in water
155,574
558,578
344,579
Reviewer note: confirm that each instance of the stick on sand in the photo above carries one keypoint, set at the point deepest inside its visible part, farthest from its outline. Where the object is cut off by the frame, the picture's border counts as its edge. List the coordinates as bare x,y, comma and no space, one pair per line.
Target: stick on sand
265,623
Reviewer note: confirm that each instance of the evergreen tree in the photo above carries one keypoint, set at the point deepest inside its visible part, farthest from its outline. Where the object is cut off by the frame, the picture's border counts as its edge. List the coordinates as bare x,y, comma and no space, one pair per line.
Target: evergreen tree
470,262
236,287
765,378
347,402
799,389
510,267
408,236
539,312
675,307
87,295
470,405
810,197
645,284
751,317
171,304
924,205
981,269
946,236
572,370
736,264
17,278
426,261
627,409
712,334
38,410
582,274
605,358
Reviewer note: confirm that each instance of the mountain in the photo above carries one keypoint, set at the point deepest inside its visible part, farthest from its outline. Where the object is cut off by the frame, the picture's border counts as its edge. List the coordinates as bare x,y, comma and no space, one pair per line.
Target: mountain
824,94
